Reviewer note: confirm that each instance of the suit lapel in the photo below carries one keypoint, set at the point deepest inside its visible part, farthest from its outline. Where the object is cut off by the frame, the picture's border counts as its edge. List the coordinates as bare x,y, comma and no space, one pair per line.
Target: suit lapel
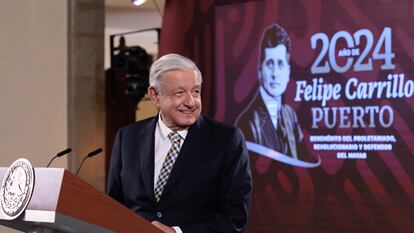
146,152
197,134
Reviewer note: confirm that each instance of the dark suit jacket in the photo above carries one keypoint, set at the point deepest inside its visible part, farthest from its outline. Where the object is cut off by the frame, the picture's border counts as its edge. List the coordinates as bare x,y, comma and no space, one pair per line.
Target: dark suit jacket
209,186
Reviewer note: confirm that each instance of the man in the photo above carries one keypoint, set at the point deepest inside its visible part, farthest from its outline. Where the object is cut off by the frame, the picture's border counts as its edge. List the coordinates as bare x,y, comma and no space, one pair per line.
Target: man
266,120
179,170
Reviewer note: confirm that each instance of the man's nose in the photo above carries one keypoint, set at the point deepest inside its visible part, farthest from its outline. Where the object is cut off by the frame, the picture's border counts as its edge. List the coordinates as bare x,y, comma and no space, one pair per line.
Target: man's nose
189,100
275,72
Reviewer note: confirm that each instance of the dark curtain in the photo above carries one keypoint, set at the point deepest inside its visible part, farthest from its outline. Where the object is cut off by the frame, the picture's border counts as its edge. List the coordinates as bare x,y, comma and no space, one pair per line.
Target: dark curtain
188,30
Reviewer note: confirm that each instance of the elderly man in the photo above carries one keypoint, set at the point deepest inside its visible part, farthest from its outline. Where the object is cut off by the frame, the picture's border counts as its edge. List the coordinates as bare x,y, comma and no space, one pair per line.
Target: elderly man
179,170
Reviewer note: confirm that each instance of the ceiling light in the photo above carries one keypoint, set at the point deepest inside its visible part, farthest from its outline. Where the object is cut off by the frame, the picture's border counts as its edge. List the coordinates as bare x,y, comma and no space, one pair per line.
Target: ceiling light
138,2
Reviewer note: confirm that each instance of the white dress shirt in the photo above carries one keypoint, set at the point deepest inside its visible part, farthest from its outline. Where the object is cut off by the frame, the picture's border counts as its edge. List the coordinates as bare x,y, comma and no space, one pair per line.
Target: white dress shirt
162,146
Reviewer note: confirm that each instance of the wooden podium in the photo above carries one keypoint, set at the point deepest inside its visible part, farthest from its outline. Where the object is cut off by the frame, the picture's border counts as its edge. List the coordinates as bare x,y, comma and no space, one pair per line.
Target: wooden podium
62,202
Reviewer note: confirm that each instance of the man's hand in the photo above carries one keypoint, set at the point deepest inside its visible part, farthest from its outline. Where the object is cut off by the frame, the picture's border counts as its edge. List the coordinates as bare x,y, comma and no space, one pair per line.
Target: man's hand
163,227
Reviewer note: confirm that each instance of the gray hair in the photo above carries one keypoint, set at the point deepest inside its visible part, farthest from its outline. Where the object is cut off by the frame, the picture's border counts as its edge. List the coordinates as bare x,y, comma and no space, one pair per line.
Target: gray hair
167,63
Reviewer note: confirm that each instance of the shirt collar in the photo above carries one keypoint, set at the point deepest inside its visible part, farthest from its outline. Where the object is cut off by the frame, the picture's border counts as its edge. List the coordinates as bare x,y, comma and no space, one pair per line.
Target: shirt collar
271,103
164,130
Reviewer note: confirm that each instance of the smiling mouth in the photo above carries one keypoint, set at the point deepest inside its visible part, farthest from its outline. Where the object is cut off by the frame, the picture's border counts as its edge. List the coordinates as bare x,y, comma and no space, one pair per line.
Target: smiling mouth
186,111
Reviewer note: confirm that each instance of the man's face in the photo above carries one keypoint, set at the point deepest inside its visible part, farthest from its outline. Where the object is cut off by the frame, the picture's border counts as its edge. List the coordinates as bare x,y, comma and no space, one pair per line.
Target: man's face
179,99
275,70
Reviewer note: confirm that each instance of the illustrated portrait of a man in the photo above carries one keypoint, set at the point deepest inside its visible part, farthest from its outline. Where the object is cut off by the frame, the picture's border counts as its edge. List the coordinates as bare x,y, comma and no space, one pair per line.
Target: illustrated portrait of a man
266,120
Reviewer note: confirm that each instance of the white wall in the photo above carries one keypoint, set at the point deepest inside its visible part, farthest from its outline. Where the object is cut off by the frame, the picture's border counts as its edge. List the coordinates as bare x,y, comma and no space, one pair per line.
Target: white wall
33,81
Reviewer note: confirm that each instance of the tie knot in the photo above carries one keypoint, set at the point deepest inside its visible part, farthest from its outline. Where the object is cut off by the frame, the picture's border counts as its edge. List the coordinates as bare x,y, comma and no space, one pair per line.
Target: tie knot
174,137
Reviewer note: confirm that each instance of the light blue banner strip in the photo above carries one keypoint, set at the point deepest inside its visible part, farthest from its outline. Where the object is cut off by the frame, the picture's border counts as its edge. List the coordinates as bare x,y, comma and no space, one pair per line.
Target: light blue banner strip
275,155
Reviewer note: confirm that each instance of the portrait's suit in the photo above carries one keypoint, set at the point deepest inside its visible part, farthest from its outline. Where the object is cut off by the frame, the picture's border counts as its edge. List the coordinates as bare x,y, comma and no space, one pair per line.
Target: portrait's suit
209,185
257,126
270,176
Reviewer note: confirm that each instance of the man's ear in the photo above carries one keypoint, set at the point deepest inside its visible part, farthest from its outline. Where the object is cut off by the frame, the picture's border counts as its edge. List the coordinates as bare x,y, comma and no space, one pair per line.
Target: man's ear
153,94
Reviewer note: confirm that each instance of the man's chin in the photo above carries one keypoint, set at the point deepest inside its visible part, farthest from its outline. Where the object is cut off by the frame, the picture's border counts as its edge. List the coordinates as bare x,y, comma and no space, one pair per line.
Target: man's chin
188,122
275,94
185,122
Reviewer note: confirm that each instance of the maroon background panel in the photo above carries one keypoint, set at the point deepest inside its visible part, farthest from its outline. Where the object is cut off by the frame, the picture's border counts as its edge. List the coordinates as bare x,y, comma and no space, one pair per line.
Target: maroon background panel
372,193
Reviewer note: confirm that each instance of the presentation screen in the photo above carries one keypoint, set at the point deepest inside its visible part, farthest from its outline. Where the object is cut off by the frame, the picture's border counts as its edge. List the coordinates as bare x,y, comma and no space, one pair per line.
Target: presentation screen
323,92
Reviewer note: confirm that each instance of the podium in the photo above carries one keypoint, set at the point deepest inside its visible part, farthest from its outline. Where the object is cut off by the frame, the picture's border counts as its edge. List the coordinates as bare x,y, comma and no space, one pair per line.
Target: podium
62,202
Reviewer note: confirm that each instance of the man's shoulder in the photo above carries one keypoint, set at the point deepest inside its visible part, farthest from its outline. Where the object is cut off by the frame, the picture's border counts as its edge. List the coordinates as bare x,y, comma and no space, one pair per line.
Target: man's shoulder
255,104
218,127
141,125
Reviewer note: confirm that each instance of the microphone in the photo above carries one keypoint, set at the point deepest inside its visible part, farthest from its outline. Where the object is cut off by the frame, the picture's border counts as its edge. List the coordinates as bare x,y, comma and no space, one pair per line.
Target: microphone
91,154
60,154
